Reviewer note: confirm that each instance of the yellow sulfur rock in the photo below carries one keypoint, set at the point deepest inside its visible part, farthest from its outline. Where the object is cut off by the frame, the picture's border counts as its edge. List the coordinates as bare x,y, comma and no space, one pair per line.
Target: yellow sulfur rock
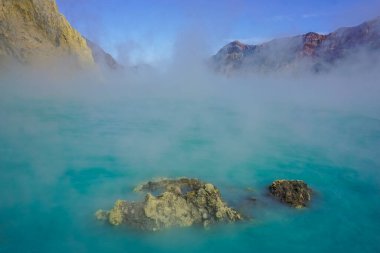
116,214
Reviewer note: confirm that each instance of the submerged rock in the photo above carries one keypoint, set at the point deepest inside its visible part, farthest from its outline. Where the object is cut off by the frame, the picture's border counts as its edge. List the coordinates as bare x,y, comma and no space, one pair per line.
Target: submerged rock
295,193
101,214
183,202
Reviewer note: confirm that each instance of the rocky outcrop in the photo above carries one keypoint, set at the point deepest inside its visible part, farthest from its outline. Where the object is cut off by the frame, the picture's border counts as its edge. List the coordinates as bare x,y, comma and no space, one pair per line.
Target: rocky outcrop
176,203
311,42
34,30
305,52
295,193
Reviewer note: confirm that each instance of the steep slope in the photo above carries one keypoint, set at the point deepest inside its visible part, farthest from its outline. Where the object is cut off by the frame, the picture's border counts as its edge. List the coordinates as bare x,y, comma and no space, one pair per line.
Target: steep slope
308,51
34,30
103,58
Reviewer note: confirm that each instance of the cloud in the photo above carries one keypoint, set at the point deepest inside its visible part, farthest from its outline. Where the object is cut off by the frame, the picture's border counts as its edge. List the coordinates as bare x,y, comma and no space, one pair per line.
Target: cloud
315,15
310,15
279,18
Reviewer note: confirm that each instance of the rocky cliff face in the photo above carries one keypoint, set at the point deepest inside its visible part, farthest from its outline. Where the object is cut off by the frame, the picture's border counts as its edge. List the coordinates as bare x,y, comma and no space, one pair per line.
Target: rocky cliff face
310,51
34,30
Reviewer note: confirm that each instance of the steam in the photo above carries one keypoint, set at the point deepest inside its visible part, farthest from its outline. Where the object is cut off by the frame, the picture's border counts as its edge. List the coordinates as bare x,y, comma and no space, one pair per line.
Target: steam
95,134
72,141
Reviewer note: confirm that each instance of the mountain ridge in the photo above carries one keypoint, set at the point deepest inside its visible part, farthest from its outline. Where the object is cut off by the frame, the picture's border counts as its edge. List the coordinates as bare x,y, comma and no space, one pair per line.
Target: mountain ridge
314,50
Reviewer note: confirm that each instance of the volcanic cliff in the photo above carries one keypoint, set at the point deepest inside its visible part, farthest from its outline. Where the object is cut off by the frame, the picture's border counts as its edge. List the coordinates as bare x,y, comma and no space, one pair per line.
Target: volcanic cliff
34,31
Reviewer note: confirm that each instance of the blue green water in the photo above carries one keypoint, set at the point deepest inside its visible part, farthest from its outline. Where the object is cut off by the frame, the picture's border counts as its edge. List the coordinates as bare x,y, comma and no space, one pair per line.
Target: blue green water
62,159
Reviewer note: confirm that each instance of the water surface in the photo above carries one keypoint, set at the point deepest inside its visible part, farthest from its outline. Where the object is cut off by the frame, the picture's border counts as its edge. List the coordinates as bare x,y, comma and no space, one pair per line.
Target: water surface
62,159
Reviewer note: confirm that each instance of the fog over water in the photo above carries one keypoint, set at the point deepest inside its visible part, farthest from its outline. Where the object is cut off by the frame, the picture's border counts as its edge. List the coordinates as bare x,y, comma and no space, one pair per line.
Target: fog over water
73,142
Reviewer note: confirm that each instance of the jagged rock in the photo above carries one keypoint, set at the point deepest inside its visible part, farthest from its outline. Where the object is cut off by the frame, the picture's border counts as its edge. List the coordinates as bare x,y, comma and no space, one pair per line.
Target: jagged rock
295,193
34,31
182,203
311,42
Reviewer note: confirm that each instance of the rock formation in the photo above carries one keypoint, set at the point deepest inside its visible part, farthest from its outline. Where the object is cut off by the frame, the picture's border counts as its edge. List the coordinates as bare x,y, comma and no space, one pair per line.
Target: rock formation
33,30
310,51
178,203
295,193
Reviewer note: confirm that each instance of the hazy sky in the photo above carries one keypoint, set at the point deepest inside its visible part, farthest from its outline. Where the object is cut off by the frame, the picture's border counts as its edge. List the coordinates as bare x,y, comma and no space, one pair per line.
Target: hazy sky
149,30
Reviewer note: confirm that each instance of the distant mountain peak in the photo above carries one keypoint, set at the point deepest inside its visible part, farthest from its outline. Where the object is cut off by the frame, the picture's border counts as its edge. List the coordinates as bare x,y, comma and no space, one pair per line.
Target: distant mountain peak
237,43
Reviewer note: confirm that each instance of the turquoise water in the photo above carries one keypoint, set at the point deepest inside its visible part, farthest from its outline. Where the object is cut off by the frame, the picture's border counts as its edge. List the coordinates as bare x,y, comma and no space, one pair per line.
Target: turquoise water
62,159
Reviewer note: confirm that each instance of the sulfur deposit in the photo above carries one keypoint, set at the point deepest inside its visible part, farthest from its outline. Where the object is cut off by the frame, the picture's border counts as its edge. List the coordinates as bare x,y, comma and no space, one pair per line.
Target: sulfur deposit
178,203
